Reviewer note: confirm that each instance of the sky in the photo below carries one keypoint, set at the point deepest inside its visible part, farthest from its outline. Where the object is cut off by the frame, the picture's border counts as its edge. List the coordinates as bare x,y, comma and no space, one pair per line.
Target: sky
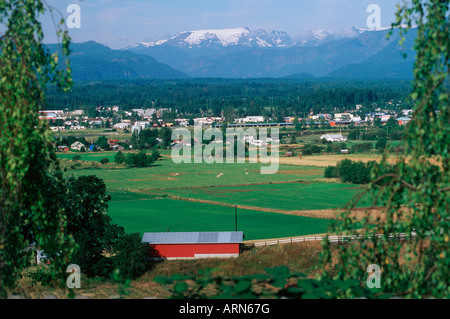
118,23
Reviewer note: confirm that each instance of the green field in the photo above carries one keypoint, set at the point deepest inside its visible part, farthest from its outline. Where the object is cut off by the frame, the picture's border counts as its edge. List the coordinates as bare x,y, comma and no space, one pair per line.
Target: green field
163,175
158,214
291,196
93,157
141,197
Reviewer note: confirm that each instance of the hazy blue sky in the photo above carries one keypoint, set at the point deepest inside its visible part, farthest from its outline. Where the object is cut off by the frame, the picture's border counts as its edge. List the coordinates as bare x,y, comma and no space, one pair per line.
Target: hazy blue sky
118,23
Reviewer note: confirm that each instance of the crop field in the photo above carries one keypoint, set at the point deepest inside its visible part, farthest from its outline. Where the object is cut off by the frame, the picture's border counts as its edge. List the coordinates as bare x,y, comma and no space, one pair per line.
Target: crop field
92,157
331,159
159,214
201,197
283,196
166,174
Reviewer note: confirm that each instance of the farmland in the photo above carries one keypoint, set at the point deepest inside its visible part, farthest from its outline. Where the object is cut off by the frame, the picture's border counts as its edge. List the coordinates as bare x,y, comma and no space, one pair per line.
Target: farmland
201,197
159,214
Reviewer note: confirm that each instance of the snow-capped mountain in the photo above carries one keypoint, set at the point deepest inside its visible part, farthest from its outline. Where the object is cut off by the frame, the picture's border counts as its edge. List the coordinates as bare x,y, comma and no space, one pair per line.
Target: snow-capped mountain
246,53
222,38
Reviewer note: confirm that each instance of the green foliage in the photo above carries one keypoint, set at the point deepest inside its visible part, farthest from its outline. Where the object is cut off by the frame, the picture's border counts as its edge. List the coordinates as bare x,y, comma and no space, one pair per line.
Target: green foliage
362,147
331,172
349,171
131,256
104,160
355,134
90,226
414,191
335,147
155,155
138,160
102,142
119,158
123,284
42,275
310,149
381,144
145,138
293,139
276,282
32,185
189,96
166,136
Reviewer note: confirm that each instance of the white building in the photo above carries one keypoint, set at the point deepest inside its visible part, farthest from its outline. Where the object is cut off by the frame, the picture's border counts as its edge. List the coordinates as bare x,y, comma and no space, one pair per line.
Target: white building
251,119
343,116
140,125
122,126
385,118
78,112
207,120
77,146
148,113
333,137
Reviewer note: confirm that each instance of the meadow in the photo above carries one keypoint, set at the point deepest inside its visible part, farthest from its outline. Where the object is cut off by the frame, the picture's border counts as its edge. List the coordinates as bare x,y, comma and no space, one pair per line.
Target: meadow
165,174
158,215
201,197
283,196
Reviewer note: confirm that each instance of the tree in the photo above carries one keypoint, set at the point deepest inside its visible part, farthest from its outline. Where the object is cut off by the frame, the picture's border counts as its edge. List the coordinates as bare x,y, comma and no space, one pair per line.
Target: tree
166,136
104,161
377,122
414,191
102,142
155,155
293,139
32,187
89,224
138,160
355,134
381,144
391,126
119,158
131,256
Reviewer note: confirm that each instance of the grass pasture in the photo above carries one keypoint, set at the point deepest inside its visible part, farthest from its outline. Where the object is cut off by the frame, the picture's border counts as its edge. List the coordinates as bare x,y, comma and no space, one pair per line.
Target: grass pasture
165,174
283,196
200,197
91,157
159,214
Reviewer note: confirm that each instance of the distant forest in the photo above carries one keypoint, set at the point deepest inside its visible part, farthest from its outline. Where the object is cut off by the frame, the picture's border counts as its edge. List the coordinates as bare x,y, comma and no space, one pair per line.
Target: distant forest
193,97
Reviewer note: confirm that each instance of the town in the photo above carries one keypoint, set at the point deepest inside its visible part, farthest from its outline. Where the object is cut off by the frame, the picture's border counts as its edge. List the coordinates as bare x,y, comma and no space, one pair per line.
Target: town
136,120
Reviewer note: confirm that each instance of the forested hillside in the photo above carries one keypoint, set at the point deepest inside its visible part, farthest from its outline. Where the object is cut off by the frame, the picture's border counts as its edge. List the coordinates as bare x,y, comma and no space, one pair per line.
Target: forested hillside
247,97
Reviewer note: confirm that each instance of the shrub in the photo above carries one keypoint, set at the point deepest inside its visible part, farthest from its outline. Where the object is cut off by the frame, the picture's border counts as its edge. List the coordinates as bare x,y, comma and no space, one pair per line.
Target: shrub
138,160
330,172
362,147
335,147
311,149
119,158
381,143
350,172
131,256
104,160
43,276
155,155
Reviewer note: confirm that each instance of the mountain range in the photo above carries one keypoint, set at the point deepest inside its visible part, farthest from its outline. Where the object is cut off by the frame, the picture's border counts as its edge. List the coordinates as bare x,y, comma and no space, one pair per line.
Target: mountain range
243,53
92,61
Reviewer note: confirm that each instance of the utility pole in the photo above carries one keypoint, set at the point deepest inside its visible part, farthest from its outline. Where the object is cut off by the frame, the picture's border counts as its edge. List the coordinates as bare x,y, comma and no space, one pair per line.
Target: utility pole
235,215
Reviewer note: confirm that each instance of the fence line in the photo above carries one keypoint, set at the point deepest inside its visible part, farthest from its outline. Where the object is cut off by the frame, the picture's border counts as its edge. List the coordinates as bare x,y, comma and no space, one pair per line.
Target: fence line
331,239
